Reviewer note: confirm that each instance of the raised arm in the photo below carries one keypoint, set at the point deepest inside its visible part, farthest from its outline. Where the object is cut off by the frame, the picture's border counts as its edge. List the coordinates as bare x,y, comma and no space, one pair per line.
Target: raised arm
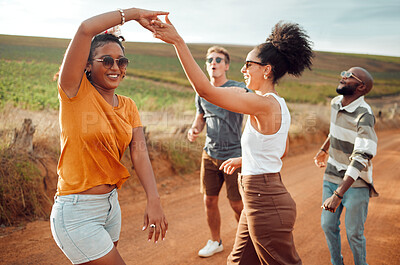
225,97
76,56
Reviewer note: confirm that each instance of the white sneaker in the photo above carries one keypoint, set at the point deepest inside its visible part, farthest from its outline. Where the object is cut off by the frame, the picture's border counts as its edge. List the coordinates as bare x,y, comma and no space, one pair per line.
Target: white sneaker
211,248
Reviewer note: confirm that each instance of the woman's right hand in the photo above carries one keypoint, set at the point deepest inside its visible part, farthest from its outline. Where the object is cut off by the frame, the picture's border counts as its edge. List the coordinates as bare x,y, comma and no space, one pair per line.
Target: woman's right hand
147,16
229,166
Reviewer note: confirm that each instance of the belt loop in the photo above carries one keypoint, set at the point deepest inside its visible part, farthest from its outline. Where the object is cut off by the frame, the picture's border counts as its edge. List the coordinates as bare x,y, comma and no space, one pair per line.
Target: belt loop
241,180
265,178
75,199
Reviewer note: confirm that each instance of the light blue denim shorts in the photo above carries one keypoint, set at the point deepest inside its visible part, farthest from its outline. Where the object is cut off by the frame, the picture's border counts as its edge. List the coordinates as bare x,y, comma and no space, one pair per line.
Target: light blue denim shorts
85,226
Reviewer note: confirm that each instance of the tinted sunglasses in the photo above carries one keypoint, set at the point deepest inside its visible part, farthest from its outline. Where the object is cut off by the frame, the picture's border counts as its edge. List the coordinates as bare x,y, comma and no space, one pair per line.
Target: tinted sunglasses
217,59
108,62
248,63
350,74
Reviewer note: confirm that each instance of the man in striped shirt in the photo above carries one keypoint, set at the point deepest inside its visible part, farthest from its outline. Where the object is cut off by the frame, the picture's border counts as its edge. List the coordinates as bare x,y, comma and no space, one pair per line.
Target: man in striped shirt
348,183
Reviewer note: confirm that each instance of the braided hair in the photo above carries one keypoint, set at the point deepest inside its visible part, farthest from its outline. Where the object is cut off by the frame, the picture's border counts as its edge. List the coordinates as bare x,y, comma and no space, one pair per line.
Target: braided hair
287,50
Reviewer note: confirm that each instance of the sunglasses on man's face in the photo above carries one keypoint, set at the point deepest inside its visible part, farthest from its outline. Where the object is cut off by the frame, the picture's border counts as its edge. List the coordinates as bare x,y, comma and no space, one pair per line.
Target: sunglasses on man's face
217,59
108,62
350,74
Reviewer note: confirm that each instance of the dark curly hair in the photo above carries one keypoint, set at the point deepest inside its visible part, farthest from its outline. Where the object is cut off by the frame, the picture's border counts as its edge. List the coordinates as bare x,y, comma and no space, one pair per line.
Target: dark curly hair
287,50
101,40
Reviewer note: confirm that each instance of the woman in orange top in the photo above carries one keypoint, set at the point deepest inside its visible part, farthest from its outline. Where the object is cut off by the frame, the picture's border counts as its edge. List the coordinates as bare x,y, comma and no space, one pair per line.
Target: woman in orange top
96,128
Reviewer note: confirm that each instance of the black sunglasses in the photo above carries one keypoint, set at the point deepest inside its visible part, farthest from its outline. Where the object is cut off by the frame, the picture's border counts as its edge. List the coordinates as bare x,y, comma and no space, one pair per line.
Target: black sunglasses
217,59
248,63
108,62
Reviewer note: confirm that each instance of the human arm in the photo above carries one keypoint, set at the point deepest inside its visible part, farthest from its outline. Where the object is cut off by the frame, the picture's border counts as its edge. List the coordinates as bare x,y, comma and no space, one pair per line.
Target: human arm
225,97
197,127
320,157
333,202
76,56
141,162
364,150
229,166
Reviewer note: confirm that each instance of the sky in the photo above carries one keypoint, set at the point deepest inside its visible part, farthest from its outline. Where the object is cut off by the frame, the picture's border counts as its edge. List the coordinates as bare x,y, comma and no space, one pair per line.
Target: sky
350,26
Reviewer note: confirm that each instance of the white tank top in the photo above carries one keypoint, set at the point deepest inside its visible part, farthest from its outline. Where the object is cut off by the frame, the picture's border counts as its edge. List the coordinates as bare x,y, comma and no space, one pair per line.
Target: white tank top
262,153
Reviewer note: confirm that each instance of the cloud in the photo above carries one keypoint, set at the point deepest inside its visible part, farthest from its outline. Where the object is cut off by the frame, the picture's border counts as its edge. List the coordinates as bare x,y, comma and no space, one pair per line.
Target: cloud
340,25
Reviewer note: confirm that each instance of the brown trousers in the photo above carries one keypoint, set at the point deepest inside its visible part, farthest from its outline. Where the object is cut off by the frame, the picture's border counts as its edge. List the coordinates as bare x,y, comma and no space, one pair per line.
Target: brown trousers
264,234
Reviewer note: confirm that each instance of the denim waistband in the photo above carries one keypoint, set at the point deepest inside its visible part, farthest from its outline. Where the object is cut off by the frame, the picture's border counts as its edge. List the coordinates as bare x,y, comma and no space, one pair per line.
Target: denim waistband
85,197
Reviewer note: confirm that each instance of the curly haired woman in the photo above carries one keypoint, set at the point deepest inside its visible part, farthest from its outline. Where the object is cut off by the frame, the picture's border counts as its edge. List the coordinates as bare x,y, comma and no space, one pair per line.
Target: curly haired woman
264,234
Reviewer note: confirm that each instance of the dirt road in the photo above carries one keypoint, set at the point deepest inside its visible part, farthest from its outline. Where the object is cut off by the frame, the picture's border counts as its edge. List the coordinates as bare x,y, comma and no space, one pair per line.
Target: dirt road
188,230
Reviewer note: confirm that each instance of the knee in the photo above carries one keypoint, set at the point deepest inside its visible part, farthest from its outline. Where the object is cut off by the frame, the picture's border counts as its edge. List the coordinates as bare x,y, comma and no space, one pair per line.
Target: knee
237,206
211,202
328,226
354,232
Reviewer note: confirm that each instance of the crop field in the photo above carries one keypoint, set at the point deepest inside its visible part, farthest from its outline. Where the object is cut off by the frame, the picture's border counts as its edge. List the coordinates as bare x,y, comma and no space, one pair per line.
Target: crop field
156,80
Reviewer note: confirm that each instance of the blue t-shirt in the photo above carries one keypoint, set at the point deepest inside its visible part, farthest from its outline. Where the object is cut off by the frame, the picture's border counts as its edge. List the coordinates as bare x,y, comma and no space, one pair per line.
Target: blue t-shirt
224,127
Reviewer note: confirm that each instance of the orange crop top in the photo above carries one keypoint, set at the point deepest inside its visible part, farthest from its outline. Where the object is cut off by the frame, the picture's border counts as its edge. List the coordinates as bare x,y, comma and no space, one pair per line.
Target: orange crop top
94,137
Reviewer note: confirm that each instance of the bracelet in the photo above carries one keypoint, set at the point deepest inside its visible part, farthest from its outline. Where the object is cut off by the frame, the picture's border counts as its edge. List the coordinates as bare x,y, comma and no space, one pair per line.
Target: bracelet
323,150
122,16
337,194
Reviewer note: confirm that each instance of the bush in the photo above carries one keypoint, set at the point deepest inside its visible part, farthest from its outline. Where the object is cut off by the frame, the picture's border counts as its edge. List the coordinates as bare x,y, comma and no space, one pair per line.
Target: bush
185,157
22,194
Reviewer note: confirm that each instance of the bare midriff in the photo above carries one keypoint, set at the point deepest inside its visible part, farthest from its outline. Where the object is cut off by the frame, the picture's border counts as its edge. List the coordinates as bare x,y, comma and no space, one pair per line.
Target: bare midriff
101,189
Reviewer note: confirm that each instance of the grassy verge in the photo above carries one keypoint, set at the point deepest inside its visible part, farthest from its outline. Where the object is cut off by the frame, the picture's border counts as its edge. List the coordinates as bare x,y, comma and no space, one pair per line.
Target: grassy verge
184,156
22,195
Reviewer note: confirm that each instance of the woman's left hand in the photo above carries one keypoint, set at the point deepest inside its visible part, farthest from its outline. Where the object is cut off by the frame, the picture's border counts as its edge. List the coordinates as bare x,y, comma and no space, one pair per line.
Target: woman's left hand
229,166
155,220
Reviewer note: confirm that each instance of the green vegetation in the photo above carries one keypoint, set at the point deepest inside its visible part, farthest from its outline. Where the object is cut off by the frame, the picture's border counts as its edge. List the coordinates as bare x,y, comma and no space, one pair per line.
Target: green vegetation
184,156
153,96
156,80
22,195
28,84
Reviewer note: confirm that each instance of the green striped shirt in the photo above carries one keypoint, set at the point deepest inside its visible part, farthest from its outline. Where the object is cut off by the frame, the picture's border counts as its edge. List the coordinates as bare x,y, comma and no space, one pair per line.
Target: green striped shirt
353,142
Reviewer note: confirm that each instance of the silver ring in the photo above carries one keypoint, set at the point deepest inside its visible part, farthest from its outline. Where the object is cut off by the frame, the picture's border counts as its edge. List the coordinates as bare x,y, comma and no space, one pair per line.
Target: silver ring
152,226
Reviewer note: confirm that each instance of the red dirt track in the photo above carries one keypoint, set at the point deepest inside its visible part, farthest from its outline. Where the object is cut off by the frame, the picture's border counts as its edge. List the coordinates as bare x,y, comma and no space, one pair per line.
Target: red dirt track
188,231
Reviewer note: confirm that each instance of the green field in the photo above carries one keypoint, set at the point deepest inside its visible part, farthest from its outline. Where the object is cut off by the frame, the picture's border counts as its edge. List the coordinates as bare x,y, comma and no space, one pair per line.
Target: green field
157,83
156,80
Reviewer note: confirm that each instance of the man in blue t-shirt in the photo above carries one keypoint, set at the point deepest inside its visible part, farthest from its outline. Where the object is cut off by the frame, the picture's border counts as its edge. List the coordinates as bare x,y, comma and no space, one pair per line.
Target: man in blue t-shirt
224,129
